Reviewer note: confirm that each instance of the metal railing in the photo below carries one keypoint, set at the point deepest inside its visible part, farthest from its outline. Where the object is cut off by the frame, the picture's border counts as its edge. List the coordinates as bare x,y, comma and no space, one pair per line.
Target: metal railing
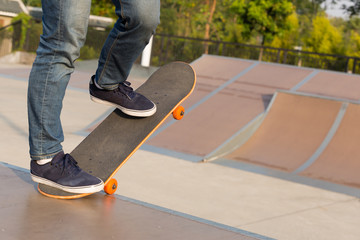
11,38
167,48
6,38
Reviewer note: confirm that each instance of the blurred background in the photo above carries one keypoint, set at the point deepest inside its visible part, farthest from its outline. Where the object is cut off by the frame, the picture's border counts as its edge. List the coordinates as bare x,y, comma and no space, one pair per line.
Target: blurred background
309,33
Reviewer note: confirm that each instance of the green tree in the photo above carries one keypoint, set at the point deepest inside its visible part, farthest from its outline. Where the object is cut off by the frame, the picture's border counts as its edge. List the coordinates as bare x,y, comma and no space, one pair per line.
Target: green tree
278,23
324,37
354,49
33,3
24,26
265,17
103,8
289,38
203,19
353,9
310,8
211,7
354,24
176,17
351,36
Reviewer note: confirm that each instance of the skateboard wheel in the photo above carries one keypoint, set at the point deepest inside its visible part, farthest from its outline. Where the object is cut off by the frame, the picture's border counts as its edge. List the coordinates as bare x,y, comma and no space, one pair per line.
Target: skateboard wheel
179,112
111,186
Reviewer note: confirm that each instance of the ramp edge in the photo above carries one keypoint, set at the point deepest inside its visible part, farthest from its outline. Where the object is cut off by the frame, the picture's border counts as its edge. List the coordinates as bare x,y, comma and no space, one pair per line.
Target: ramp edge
240,137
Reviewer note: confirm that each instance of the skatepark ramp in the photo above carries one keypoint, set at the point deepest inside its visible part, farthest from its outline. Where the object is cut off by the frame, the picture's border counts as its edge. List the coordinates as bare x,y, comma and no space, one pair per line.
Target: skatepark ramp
25,214
231,94
303,134
295,120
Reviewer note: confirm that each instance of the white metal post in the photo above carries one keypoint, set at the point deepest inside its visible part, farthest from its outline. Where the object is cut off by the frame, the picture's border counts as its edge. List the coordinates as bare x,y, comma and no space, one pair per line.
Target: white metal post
146,54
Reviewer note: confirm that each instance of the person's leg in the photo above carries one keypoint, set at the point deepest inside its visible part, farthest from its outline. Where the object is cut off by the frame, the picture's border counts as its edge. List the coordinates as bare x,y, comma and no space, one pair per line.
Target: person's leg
64,31
137,21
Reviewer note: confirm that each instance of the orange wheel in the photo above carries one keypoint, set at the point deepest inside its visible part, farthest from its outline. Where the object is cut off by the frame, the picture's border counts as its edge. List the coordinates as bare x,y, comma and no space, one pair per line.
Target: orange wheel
179,112
111,186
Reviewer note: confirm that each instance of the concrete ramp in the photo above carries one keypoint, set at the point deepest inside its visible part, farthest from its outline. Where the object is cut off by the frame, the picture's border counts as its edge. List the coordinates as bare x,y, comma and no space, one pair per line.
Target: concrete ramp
340,160
291,132
307,135
25,214
229,94
233,94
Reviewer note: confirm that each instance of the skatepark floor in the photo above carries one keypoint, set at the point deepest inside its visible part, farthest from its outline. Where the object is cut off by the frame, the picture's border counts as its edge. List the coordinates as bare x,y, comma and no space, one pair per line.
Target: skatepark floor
159,196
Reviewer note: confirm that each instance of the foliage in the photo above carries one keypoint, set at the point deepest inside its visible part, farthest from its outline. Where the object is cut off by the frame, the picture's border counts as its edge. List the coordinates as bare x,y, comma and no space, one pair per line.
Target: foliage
276,23
25,24
354,49
311,8
268,18
93,44
88,52
290,37
104,8
189,18
353,24
353,9
324,38
33,3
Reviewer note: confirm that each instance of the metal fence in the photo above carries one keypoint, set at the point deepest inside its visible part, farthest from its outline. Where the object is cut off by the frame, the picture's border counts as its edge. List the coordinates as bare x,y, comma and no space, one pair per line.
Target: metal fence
13,38
6,39
167,48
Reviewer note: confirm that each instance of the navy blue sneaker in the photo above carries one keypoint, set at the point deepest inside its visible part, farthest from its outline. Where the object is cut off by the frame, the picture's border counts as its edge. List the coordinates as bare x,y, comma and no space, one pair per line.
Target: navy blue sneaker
123,98
64,173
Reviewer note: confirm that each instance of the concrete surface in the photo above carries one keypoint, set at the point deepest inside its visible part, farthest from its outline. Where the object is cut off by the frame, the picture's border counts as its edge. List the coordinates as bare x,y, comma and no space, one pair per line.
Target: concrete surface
339,162
308,135
293,129
27,215
234,197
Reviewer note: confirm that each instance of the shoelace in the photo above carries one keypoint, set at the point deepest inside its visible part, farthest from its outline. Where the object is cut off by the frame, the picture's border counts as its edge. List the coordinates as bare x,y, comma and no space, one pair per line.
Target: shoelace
69,164
125,88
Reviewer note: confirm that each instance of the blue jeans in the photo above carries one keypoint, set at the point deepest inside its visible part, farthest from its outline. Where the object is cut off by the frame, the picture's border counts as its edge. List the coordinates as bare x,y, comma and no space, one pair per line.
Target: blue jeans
64,30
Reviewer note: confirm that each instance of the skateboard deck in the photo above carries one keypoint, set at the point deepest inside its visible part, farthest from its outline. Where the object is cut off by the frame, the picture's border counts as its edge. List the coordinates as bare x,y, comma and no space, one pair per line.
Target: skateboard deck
104,151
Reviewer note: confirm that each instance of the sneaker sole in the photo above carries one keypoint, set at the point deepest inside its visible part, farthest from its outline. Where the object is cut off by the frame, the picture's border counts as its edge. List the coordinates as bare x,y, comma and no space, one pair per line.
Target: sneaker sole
130,112
79,190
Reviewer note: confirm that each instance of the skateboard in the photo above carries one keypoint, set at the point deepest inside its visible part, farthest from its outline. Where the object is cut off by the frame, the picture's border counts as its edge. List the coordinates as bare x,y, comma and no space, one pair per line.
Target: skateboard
107,148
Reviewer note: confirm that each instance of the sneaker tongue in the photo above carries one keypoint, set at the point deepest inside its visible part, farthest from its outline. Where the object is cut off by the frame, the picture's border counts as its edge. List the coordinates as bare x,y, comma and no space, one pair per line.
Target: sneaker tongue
126,89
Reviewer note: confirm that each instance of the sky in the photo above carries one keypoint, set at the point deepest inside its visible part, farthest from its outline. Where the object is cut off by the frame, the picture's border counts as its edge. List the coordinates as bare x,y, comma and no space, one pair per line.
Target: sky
335,10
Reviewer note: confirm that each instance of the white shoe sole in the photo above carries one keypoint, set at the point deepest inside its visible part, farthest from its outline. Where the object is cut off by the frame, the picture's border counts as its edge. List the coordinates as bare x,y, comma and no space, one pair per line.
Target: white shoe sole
84,189
130,112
